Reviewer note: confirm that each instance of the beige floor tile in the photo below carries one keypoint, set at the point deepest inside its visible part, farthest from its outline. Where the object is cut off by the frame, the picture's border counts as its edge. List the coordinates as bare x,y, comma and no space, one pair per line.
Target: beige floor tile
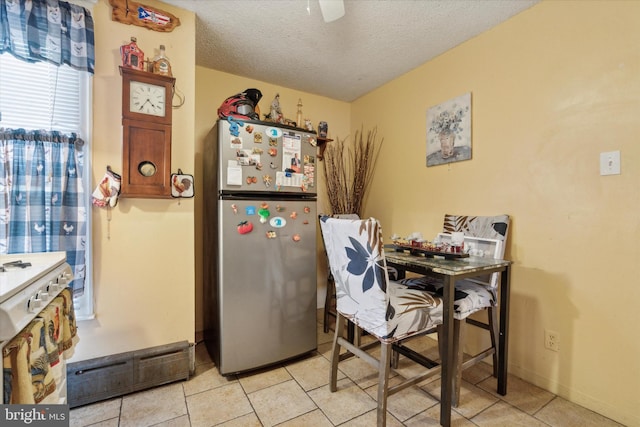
431,417
322,337
249,420
254,381
206,378
562,413
113,422
280,403
312,372
504,415
406,403
521,394
425,346
324,349
370,419
153,406
218,405
311,419
348,402
478,373
182,421
408,369
97,412
472,399
359,371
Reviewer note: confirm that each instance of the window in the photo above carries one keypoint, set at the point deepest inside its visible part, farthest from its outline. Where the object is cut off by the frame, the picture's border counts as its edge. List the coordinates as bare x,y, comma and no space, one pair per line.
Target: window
40,95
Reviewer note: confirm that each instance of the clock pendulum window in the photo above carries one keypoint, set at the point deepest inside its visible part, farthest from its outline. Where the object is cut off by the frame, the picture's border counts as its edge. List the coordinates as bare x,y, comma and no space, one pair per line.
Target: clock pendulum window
146,134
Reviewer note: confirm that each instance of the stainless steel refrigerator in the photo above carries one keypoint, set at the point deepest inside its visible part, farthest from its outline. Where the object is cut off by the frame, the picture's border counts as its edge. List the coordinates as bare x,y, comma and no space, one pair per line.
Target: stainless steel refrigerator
259,245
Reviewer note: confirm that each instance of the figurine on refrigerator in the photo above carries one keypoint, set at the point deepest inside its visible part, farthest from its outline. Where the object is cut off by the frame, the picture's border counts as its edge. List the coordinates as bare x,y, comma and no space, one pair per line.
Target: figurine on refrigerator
275,113
308,125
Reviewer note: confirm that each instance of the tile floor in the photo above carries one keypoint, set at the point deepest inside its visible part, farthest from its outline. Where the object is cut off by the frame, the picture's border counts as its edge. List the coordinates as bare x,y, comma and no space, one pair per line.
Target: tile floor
297,394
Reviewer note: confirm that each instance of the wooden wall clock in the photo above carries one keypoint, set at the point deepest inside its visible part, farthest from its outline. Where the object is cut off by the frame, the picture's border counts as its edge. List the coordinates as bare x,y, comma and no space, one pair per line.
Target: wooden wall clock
146,122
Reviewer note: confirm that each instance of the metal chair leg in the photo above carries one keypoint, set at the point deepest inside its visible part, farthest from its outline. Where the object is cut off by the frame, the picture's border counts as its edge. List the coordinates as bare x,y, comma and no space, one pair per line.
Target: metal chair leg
458,351
328,302
493,331
383,383
335,354
395,359
357,336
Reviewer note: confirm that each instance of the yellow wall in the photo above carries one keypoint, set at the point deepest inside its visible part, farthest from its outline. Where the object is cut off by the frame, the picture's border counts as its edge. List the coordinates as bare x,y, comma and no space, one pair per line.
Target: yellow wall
551,88
213,88
144,272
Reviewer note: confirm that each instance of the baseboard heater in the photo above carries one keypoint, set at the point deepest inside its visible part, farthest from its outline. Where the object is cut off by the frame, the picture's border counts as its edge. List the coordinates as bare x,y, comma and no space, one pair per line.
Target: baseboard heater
102,378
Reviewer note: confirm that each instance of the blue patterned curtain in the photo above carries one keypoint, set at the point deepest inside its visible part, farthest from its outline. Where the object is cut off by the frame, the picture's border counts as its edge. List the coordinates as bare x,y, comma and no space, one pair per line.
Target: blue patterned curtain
48,30
42,207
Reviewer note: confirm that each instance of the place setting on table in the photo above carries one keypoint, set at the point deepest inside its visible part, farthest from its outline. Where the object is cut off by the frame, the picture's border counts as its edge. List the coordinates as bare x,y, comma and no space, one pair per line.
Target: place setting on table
455,251
449,246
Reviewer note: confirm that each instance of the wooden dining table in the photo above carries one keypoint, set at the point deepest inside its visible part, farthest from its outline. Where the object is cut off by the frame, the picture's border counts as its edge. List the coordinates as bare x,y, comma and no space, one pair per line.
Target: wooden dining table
450,270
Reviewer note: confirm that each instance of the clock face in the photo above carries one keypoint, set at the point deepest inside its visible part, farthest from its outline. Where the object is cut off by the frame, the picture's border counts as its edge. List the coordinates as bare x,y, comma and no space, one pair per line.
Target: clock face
146,98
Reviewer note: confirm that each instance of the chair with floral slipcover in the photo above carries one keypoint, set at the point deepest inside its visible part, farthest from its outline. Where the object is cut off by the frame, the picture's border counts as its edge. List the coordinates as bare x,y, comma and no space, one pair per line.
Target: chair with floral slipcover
330,296
472,295
387,310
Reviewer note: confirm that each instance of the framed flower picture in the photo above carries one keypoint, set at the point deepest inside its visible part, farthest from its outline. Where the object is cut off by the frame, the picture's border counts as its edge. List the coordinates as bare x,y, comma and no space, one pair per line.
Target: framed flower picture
449,131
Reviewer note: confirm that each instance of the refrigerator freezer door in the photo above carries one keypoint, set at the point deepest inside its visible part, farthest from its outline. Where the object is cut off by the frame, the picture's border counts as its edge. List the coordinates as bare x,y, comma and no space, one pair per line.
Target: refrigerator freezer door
265,158
267,282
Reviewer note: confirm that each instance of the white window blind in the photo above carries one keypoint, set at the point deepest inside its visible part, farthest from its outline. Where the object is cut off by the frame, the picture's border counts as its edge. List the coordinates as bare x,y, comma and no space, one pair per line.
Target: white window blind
40,95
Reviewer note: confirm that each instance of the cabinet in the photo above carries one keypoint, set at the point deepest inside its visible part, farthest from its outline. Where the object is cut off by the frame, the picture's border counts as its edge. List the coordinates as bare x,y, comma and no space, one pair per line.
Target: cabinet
146,158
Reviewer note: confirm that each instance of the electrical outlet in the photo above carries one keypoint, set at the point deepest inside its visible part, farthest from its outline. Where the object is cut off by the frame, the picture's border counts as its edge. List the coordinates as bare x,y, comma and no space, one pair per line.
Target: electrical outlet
552,340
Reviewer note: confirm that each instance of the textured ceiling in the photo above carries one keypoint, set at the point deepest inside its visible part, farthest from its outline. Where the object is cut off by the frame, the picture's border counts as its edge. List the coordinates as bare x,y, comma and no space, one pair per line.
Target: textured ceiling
280,42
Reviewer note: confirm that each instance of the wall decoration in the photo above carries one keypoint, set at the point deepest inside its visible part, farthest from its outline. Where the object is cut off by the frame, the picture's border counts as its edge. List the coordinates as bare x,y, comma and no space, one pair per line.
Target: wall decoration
449,131
132,13
181,185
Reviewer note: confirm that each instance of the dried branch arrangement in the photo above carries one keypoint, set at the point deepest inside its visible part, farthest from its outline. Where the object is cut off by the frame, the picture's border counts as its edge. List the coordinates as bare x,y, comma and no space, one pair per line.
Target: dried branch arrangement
348,172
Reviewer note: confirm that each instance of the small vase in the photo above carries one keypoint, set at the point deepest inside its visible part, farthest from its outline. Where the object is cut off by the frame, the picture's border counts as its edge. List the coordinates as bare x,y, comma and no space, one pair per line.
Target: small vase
447,139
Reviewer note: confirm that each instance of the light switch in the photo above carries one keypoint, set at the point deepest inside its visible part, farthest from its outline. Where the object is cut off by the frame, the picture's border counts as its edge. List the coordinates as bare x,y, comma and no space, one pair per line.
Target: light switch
610,163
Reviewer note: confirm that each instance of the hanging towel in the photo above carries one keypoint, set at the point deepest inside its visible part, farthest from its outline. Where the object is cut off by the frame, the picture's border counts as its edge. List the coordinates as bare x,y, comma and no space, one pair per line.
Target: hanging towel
52,316
42,380
50,360
16,369
26,370
68,319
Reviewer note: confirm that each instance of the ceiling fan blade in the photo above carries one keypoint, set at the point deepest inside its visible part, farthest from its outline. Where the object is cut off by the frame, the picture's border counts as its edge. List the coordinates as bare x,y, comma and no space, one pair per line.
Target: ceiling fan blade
331,9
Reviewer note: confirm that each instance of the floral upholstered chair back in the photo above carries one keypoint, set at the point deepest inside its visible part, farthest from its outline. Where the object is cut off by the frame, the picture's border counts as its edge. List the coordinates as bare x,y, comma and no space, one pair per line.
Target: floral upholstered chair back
488,227
364,293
